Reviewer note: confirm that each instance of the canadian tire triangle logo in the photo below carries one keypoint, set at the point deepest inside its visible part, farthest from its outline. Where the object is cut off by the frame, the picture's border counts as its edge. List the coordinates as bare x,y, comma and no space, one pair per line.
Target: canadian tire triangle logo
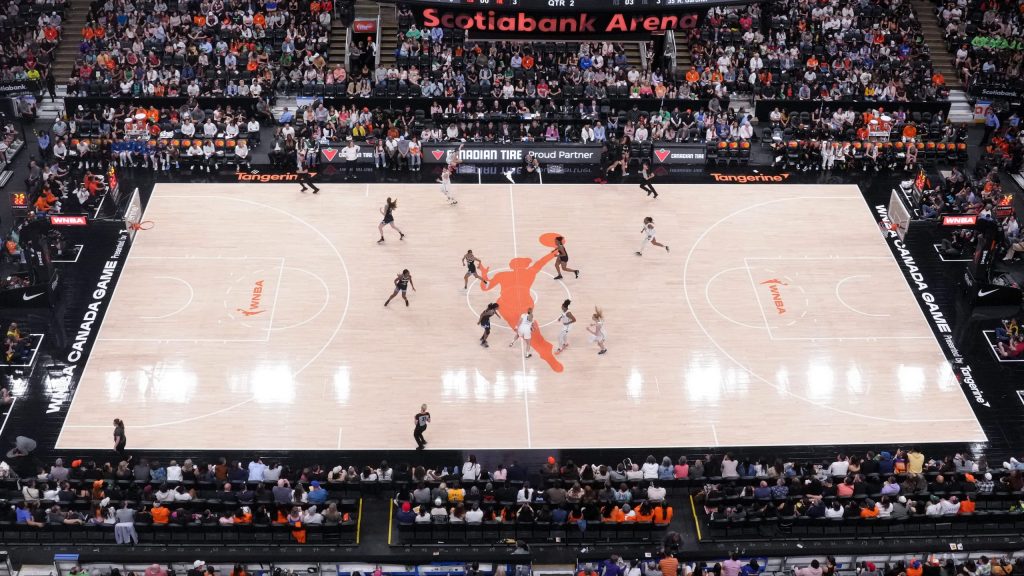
330,153
437,154
661,154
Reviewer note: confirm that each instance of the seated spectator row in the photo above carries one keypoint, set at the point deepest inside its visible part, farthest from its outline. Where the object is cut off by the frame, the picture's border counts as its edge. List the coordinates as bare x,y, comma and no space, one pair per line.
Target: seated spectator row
484,123
877,125
846,50
867,504
31,32
815,155
151,48
160,139
493,531
982,36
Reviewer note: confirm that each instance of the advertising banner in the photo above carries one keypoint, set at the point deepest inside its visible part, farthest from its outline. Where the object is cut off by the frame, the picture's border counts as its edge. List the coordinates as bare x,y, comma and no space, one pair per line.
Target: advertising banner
484,153
672,154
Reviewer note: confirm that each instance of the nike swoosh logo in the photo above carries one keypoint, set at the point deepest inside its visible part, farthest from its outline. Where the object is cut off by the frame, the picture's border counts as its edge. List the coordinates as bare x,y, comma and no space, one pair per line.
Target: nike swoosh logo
26,297
982,293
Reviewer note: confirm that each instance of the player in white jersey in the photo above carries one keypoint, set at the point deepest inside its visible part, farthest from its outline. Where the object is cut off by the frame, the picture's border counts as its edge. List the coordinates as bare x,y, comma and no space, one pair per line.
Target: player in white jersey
649,236
597,330
446,185
566,320
524,330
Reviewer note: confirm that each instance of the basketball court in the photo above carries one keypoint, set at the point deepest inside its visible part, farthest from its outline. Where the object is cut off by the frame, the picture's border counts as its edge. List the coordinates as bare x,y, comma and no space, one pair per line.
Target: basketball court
250,316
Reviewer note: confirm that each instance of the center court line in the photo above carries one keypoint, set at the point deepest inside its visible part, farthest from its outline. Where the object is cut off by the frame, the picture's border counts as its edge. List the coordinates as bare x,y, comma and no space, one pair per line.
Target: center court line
522,347
512,205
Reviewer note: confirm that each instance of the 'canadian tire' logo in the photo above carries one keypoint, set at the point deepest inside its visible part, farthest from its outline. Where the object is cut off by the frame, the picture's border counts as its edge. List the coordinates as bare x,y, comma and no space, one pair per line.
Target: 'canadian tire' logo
661,154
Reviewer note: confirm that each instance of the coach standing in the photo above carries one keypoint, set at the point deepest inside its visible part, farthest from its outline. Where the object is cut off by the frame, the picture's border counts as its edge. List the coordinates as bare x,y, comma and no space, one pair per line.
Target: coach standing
421,419
351,155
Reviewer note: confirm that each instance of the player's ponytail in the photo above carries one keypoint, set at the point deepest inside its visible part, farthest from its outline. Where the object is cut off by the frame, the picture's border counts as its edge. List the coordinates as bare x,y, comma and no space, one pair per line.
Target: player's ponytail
566,303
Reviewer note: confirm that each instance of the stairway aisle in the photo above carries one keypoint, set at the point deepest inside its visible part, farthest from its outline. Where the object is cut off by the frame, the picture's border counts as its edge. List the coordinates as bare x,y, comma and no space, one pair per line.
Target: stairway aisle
67,51
336,50
633,54
388,33
942,60
683,60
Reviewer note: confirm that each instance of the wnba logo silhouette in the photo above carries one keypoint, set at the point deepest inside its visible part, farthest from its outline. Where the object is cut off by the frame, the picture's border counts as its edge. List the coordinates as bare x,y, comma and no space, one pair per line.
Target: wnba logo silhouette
773,288
515,298
254,302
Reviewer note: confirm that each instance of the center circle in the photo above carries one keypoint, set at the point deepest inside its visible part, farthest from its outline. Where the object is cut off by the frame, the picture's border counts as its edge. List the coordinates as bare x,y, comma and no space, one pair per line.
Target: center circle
533,293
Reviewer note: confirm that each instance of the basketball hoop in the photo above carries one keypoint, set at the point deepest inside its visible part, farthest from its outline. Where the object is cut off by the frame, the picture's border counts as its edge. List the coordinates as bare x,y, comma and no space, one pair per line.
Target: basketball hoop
142,225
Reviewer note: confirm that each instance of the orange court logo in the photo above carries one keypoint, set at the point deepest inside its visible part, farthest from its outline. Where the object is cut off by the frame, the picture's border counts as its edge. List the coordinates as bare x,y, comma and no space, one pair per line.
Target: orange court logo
773,288
254,302
750,178
515,297
256,177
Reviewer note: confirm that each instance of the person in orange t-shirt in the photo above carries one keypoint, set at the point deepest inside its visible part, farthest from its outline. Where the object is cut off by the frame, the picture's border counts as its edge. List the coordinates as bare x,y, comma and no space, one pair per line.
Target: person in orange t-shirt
160,514
869,509
618,516
644,513
662,514
915,568
41,204
967,505
692,76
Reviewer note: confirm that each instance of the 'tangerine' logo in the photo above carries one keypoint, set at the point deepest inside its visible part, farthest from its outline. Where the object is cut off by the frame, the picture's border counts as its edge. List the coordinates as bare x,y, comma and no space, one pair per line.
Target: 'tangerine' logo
248,177
750,178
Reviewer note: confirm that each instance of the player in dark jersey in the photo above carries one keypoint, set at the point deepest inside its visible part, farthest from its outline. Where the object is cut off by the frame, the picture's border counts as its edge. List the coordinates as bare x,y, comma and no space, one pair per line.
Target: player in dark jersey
562,259
470,261
485,322
389,219
402,283
421,419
